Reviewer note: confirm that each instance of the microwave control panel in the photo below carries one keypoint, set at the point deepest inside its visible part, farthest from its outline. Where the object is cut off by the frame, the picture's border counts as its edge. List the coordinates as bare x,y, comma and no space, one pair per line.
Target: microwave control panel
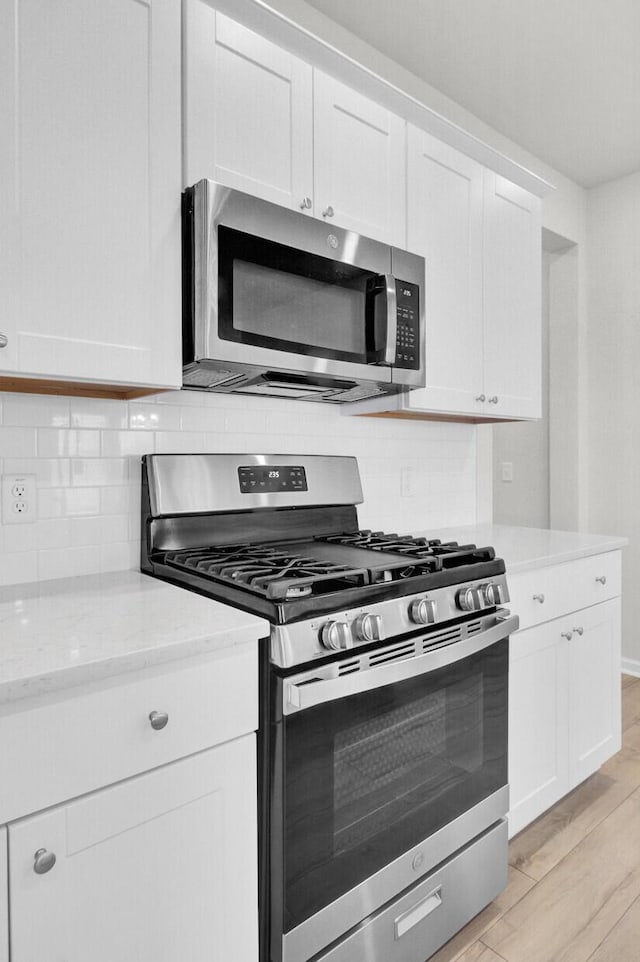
408,330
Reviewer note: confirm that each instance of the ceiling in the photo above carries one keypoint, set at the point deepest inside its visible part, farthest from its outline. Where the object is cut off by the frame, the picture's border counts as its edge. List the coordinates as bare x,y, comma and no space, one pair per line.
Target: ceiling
559,77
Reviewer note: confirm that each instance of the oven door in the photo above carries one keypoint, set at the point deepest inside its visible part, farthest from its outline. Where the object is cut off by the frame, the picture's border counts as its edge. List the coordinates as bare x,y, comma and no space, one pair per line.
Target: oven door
381,772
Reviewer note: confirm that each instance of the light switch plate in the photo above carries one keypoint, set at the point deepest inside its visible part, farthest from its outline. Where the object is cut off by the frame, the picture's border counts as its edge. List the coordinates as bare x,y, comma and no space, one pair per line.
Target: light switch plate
18,498
507,471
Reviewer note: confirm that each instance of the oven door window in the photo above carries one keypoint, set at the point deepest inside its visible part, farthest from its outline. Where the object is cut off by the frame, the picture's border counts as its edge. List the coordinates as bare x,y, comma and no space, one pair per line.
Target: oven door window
277,297
368,777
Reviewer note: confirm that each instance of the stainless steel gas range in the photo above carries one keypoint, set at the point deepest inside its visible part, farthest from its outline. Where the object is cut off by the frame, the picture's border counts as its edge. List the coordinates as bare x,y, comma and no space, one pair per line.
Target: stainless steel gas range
383,725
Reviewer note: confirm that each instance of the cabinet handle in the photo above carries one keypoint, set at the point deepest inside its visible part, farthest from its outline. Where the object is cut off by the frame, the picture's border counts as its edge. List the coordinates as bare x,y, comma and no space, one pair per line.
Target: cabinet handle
494,399
539,598
567,634
602,579
43,861
4,340
481,397
306,203
579,631
158,720
328,211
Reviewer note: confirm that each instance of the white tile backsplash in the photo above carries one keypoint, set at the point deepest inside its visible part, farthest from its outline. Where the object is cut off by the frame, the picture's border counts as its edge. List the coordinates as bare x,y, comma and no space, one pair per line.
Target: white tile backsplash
85,454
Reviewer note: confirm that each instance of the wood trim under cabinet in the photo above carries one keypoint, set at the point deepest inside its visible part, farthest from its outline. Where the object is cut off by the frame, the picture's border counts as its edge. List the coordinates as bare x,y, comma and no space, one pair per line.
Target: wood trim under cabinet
423,416
120,392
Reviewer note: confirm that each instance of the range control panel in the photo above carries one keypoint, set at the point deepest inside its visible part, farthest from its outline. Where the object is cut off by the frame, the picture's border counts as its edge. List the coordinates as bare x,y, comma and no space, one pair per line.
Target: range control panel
408,331
259,479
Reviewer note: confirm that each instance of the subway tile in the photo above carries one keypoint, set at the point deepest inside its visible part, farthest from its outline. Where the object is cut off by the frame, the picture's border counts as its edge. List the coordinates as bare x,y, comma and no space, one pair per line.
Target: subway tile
54,533
154,417
117,444
49,472
114,499
33,410
17,442
99,471
97,531
18,567
98,414
206,419
72,502
68,443
245,421
68,562
122,556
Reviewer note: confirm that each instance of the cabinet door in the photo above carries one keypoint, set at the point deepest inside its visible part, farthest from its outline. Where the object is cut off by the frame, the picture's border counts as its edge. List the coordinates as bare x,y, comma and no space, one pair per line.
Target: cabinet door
249,111
445,226
155,869
594,689
4,897
359,163
90,188
512,300
538,722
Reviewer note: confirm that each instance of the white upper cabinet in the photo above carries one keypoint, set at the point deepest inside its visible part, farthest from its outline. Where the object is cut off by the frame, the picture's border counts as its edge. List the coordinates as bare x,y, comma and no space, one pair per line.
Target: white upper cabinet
90,190
262,121
249,111
359,163
445,191
4,897
512,255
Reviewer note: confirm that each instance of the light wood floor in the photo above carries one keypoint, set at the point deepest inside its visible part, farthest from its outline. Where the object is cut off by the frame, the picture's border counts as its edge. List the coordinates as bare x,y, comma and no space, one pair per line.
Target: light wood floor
573,893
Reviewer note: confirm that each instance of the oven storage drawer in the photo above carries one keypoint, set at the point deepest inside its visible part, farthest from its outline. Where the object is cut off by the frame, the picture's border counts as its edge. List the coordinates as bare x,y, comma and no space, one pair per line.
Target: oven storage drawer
58,747
423,919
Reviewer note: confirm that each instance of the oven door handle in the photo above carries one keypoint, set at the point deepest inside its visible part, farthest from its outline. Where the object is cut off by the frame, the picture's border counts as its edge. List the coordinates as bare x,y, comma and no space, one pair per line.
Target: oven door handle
300,694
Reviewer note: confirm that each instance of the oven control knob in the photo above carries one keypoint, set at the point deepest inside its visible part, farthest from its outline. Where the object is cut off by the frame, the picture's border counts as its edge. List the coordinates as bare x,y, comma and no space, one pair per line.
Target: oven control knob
368,628
336,635
422,611
493,593
469,599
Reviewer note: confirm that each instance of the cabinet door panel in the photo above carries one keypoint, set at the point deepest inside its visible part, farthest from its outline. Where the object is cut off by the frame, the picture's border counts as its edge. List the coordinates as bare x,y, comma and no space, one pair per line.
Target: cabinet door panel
445,226
359,162
96,180
594,689
512,299
158,868
9,233
538,723
248,110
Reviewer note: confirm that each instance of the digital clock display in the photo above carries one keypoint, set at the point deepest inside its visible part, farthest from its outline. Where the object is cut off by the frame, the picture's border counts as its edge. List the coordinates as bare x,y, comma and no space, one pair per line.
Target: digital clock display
261,479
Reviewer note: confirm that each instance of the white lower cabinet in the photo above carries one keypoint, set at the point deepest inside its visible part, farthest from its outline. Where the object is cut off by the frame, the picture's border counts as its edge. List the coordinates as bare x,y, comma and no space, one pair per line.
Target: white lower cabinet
157,868
564,703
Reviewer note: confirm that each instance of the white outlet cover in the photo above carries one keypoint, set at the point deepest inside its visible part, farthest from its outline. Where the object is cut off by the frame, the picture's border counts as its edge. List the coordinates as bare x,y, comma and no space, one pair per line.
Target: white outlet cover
18,498
507,471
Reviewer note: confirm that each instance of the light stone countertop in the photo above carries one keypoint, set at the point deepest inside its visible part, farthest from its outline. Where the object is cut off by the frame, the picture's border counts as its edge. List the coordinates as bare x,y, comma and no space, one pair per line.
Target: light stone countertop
525,549
59,634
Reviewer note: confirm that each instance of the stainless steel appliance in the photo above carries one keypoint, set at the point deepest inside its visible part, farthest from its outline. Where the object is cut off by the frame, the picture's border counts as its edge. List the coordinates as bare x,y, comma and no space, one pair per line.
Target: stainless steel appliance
278,303
383,733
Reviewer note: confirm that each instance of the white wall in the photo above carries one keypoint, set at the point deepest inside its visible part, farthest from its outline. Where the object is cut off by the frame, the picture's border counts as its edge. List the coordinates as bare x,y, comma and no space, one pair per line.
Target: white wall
614,381
85,454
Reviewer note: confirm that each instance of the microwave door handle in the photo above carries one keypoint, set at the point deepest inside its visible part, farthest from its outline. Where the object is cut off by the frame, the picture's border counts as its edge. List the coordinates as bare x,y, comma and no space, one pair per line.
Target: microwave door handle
302,693
391,328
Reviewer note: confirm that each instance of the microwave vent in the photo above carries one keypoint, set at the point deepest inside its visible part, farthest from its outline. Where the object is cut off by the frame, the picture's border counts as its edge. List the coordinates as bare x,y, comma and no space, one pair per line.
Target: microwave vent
203,377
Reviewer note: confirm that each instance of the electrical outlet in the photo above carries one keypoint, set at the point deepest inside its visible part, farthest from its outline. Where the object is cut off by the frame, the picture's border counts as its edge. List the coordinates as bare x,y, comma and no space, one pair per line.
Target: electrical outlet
18,498
507,471
408,483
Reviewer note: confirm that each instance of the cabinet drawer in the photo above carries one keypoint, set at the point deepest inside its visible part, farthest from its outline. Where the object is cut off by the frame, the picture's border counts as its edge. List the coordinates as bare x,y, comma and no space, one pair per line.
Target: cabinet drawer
55,748
550,592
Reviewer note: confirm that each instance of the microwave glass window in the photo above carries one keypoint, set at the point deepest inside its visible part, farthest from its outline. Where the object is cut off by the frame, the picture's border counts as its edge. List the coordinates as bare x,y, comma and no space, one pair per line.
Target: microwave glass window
303,310
284,299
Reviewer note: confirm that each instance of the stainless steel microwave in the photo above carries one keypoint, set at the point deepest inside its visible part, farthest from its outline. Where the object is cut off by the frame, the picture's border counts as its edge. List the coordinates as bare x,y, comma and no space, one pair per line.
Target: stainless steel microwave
279,303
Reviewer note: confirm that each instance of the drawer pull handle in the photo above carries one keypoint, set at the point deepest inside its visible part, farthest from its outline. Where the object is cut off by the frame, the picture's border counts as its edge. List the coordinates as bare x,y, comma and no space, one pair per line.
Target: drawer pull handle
425,907
579,631
602,579
567,634
43,861
158,720
539,598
